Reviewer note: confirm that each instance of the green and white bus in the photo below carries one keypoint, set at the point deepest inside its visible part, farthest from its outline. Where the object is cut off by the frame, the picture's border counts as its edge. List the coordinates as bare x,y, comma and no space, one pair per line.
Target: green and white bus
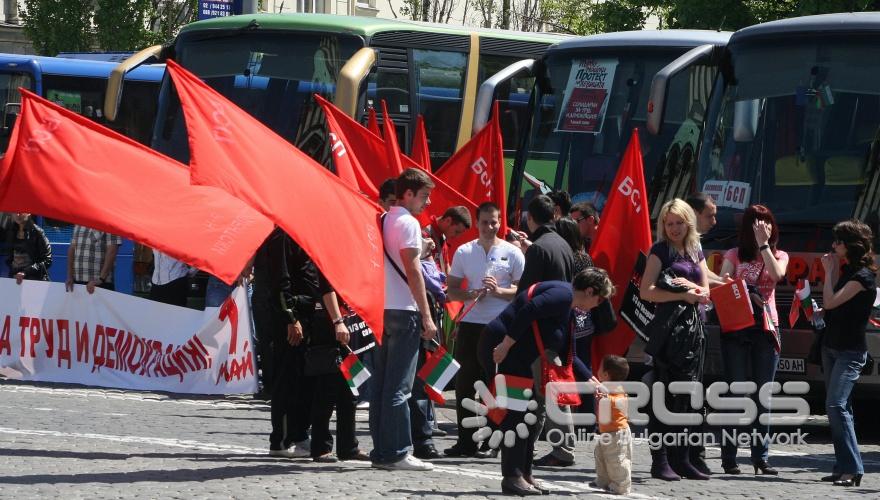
271,64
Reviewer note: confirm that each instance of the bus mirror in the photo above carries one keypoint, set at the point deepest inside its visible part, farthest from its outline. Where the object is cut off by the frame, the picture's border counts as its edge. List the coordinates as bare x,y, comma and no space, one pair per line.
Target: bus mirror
704,54
10,114
486,94
351,76
745,120
113,94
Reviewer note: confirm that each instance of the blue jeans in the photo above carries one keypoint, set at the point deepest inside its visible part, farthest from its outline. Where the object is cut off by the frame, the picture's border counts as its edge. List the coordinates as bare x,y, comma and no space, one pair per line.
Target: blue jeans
395,368
216,292
842,369
749,355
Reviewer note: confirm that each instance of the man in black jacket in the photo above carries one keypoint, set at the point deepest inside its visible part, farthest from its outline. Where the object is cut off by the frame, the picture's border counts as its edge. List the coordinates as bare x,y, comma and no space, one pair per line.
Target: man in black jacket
550,256
287,280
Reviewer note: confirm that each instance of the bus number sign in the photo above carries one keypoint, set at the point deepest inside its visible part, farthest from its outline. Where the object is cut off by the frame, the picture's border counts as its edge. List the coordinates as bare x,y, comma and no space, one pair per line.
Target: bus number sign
737,195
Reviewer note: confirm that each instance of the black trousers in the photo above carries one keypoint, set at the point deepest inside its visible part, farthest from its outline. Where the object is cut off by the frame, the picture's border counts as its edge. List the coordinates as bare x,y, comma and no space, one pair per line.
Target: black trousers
292,397
467,355
333,391
174,292
266,333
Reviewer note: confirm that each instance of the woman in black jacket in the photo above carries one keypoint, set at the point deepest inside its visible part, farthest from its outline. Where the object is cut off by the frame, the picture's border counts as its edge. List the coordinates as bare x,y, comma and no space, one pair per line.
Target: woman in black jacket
29,254
847,300
508,344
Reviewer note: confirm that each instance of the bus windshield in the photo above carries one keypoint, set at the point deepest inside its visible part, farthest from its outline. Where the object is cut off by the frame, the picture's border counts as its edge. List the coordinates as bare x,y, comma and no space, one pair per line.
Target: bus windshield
586,107
793,130
11,101
272,76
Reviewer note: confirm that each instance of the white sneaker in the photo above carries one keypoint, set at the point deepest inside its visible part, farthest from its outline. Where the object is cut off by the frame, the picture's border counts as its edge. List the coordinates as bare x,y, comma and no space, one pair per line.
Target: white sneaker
409,462
363,405
302,449
286,453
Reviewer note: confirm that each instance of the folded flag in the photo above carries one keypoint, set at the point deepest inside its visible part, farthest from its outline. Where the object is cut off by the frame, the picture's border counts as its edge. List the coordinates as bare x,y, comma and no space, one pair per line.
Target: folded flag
354,371
802,299
510,392
434,396
438,370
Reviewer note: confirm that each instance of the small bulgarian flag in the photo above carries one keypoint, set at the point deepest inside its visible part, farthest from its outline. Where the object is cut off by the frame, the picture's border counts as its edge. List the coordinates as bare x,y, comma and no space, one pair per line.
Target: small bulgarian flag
354,371
438,370
802,299
510,392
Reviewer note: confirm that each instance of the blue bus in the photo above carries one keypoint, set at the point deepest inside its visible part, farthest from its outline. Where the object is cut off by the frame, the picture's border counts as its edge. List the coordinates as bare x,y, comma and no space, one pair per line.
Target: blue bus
80,85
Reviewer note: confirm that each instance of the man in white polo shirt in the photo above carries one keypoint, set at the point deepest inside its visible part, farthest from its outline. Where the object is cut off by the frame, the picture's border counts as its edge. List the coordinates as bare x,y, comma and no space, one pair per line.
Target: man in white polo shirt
407,317
492,268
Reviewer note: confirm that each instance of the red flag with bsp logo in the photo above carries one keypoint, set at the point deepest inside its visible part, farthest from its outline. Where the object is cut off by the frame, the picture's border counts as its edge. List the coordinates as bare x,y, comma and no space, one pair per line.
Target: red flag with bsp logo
624,232
477,169
347,165
65,166
334,224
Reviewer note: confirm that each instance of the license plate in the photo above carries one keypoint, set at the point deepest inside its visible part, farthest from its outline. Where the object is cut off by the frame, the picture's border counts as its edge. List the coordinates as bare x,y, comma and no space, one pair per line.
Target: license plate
791,365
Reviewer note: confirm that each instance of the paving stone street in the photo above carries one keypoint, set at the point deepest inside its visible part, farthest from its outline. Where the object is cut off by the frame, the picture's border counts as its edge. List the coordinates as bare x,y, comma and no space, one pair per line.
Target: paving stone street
71,442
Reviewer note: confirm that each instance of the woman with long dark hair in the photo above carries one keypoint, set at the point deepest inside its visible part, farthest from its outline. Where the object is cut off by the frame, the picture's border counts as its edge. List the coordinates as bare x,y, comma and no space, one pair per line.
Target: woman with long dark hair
29,254
753,353
848,297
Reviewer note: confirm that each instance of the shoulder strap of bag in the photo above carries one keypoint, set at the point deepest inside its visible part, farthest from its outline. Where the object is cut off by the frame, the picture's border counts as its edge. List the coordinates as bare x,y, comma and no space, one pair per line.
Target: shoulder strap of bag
538,340
385,249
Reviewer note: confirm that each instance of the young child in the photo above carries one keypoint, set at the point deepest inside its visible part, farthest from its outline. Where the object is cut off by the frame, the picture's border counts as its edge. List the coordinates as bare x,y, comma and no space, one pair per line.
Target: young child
613,453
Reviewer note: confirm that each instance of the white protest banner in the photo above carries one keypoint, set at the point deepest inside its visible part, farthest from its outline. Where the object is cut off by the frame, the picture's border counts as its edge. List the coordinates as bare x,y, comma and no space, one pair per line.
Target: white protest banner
586,95
109,339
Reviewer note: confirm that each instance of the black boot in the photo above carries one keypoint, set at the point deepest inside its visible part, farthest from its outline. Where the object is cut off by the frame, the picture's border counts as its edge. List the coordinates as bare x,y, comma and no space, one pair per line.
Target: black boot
697,456
660,468
680,463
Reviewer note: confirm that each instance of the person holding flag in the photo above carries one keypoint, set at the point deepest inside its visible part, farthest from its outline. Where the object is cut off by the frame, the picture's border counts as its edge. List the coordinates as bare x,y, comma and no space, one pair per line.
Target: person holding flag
510,344
753,353
492,268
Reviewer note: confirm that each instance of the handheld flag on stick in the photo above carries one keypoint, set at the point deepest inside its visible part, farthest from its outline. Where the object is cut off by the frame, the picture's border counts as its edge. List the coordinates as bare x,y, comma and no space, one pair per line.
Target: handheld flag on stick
438,370
802,299
354,371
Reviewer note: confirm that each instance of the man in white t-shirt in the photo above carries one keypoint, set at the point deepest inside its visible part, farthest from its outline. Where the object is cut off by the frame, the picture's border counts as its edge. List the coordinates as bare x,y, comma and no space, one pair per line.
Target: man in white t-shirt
407,319
492,268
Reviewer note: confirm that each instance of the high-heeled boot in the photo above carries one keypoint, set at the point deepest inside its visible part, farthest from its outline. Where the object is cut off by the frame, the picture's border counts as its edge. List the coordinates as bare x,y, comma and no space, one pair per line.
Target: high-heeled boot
680,463
660,468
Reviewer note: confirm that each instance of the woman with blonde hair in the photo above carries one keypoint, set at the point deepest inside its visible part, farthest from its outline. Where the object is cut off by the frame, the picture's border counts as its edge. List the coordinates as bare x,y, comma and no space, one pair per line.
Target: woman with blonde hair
676,279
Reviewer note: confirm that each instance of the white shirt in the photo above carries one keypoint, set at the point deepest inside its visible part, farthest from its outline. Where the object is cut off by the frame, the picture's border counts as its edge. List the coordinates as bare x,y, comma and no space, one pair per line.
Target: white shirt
471,262
400,231
167,269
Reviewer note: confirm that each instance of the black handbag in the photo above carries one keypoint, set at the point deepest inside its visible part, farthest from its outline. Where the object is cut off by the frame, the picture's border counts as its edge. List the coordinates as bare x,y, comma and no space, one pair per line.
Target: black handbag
664,282
321,360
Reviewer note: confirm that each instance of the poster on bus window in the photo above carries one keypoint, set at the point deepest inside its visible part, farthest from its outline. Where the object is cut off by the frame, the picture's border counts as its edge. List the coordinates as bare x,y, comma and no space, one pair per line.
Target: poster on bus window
586,95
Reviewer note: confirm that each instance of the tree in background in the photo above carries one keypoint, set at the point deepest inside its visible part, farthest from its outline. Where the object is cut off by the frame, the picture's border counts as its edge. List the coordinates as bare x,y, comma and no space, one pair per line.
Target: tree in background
55,26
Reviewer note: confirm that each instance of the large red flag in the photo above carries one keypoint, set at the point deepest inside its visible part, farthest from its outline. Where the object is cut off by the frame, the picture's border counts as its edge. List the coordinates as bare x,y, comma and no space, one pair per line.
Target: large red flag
373,122
477,169
335,225
625,232
62,165
420,152
392,149
347,165
365,147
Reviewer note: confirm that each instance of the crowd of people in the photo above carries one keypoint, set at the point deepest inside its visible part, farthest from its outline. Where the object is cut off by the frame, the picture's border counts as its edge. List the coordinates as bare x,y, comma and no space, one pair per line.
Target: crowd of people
531,300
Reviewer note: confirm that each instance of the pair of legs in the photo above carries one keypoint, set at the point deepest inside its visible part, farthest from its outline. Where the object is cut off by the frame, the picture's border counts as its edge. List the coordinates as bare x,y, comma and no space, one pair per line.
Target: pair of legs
613,456
842,370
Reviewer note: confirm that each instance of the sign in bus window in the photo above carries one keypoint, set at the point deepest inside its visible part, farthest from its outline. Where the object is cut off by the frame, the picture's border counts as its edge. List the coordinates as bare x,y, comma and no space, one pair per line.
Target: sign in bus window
586,95
69,100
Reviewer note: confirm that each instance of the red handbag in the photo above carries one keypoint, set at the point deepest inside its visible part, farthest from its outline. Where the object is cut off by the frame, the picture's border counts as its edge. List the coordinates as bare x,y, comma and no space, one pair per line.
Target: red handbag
551,372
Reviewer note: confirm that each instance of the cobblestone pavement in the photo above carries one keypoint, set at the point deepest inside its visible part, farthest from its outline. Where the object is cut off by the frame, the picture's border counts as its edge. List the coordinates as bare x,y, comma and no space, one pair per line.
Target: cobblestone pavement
62,442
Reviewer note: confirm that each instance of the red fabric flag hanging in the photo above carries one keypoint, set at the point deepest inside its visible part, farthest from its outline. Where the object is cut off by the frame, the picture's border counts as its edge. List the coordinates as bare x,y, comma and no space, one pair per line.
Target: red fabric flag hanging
420,152
364,146
373,123
62,165
625,232
347,165
392,149
335,225
477,169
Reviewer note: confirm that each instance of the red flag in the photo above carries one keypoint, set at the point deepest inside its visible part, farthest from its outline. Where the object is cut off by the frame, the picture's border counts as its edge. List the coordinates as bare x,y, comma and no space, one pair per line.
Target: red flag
420,152
373,123
335,225
392,149
625,232
364,146
62,165
434,395
477,169
347,165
